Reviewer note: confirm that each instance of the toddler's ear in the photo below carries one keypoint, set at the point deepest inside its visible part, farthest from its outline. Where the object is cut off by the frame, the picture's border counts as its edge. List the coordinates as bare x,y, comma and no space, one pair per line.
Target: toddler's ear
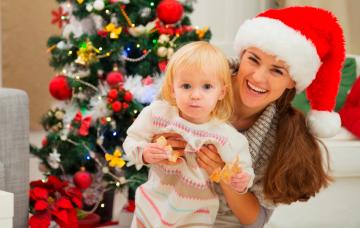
223,92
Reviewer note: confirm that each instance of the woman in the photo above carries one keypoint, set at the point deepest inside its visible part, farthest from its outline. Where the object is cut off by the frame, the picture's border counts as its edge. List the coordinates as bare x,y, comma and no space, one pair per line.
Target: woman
281,52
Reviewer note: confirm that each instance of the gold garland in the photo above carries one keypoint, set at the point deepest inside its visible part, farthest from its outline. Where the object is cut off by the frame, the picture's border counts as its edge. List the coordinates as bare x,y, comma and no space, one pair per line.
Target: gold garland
128,20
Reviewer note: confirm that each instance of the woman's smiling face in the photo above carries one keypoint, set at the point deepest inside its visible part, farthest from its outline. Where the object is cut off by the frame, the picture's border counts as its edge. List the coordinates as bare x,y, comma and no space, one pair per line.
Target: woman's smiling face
261,79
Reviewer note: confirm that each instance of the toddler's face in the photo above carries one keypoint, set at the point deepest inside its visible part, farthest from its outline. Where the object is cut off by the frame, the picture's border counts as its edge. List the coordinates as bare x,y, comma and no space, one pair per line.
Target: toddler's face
196,94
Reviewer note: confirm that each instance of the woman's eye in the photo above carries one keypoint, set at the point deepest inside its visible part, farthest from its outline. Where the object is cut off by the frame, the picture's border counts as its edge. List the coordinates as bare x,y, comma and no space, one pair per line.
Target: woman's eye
277,71
207,86
186,86
252,59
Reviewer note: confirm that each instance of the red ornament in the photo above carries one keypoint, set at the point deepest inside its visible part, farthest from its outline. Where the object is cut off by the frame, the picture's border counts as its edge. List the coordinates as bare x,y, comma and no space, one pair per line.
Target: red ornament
114,78
170,11
148,80
162,65
113,94
44,141
102,33
59,88
82,179
130,206
116,106
125,105
128,96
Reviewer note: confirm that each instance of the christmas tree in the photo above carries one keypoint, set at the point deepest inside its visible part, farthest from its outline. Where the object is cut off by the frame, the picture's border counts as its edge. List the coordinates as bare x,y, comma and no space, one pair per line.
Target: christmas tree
109,61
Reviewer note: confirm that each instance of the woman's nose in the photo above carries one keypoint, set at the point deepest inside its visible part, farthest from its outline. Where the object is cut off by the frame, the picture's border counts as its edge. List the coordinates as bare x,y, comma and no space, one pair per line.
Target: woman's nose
260,74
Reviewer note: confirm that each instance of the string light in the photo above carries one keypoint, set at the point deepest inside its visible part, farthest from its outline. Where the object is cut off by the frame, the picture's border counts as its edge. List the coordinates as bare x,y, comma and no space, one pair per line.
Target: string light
102,205
108,119
117,184
70,53
152,4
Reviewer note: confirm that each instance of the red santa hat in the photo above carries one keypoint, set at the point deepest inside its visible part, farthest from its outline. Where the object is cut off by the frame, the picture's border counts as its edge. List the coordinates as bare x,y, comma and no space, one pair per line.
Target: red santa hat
311,42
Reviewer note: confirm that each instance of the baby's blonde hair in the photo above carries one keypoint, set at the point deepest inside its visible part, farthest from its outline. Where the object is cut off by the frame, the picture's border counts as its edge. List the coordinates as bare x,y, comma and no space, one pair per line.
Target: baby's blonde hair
203,56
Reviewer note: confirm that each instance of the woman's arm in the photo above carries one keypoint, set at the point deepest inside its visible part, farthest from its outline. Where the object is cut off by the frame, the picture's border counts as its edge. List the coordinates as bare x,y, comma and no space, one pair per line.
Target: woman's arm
245,207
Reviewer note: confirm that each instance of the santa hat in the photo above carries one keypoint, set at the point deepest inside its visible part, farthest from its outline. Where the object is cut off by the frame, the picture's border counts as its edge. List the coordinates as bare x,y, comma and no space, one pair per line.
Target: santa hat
311,42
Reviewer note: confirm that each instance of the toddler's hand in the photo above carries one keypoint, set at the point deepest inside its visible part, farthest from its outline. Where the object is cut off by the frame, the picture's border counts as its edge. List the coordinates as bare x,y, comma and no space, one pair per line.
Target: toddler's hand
154,153
240,181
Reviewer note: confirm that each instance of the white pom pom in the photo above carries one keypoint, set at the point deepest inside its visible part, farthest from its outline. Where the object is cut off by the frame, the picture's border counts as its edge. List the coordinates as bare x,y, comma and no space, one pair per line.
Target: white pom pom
324,124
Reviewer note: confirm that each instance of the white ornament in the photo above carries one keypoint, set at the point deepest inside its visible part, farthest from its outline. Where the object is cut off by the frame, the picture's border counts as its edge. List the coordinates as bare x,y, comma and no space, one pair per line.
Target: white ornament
100,140
81,96
163,39
105,169
137,31
59,115
89,7
99,5
145,12
170,52
54,159
61,45
162,51
125,1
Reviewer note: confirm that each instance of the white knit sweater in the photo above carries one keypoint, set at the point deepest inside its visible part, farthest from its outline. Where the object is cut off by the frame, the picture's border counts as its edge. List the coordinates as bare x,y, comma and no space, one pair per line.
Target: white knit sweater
180,195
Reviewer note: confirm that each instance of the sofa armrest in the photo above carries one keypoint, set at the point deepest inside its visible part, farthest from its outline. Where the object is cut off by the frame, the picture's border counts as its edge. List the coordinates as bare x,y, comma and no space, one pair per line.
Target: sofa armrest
14,149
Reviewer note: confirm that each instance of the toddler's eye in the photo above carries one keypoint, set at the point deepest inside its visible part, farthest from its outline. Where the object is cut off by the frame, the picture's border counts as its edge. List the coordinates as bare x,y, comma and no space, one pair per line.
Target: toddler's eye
186,86
207,86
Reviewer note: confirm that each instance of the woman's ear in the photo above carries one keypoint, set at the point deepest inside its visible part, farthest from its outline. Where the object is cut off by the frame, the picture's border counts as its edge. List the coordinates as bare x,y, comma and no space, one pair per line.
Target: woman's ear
291,84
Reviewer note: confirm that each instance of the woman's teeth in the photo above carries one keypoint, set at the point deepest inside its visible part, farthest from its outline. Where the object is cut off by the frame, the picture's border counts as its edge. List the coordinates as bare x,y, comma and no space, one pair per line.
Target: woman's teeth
256,89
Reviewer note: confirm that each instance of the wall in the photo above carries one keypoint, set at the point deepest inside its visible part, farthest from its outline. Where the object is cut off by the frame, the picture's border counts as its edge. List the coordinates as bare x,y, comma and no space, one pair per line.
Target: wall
25,29
224,18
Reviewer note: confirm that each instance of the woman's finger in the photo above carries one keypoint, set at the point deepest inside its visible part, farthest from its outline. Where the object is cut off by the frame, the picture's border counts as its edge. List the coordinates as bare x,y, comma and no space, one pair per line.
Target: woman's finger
205,166
167,135
177,143
209,157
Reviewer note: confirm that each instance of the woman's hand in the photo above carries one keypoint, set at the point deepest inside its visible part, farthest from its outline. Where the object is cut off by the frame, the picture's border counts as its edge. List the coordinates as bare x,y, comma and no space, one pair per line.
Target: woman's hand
209,159
240,181
177,143
175,140
154,153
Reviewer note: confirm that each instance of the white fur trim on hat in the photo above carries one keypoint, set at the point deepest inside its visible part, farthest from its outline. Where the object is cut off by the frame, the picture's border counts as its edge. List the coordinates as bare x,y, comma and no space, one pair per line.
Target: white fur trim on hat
323,124
289,45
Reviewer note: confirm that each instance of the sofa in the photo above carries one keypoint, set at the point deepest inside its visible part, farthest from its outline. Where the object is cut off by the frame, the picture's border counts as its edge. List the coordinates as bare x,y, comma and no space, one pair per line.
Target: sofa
14,151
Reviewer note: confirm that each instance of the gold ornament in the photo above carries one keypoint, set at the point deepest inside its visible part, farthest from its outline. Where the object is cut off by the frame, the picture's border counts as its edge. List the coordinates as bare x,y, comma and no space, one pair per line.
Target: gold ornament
115,160
86,54
80,1
201,32
114,31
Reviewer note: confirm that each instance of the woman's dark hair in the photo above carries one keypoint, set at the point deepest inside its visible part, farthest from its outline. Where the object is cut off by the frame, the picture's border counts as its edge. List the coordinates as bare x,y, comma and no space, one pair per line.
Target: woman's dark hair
298,167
